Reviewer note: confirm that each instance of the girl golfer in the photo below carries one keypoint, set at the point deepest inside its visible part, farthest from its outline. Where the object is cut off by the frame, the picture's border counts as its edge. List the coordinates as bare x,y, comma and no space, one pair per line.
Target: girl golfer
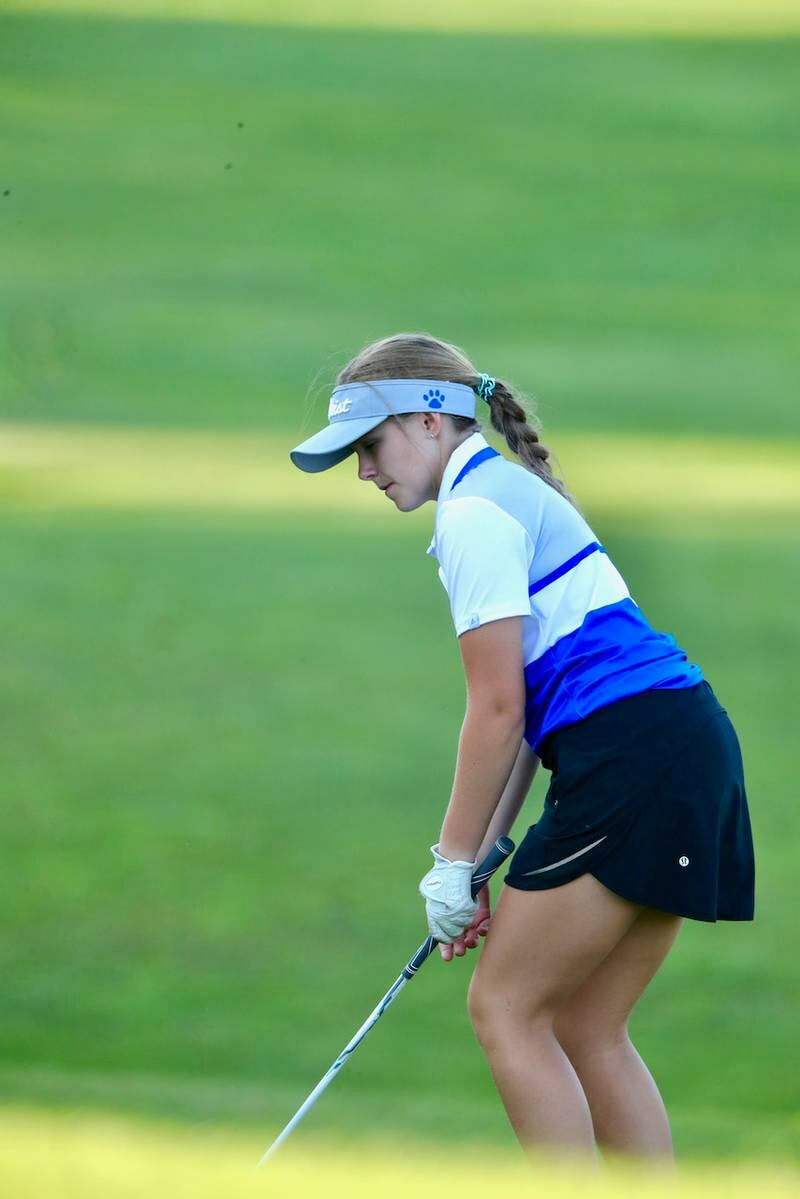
645,820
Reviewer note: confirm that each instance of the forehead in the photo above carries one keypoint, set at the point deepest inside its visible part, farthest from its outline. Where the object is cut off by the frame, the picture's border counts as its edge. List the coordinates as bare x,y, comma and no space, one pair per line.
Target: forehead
377,434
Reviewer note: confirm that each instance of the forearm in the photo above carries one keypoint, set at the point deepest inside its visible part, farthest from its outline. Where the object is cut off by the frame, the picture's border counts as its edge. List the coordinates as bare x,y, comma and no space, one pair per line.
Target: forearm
512,799
488,750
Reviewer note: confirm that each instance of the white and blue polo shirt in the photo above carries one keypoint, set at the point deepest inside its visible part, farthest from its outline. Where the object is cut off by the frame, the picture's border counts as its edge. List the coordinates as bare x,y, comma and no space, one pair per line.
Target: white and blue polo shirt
509,544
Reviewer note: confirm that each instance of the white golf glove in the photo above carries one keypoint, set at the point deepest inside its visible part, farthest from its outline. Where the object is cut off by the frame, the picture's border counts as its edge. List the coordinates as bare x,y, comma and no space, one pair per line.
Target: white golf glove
449,905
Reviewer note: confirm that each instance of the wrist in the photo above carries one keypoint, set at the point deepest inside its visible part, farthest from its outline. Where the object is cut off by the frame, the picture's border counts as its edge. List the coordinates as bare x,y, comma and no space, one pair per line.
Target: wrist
451,851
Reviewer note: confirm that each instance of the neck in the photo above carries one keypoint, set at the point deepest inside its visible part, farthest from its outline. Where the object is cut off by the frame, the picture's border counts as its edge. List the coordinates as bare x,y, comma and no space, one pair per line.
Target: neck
446,448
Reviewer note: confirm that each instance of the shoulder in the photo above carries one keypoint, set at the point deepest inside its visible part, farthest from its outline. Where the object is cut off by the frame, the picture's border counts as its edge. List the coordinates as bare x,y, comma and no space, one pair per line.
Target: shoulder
518,493
473,510
475,519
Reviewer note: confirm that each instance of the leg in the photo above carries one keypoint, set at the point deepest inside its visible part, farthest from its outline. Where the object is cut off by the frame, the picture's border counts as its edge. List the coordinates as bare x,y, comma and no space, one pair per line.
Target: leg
592,1027
541,947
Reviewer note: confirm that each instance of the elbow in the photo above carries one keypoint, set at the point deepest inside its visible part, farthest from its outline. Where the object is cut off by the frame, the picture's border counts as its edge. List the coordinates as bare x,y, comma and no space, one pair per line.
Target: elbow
501,711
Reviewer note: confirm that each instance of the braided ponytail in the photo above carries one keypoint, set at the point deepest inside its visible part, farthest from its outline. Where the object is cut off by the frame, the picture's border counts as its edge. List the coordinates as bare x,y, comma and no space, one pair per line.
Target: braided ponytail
521,433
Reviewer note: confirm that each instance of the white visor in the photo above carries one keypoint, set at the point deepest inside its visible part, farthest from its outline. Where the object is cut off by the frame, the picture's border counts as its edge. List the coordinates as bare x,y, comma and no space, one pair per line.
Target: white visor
355,408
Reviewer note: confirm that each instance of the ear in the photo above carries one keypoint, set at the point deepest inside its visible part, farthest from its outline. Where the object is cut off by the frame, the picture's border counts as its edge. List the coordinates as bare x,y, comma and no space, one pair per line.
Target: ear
431,422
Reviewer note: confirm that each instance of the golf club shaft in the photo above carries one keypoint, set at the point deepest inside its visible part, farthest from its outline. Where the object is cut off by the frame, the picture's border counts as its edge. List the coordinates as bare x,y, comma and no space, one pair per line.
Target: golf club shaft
394,990
496,855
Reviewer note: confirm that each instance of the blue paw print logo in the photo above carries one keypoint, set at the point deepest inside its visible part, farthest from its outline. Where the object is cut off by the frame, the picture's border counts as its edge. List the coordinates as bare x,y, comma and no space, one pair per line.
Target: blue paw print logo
434,398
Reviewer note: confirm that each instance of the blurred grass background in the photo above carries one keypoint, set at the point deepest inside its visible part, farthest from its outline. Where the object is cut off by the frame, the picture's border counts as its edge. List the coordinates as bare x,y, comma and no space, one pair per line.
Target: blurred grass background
214,705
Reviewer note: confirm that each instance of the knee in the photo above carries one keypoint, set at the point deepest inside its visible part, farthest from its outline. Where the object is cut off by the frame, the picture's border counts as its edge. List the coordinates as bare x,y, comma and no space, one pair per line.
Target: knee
582,1039
480,1008
495,1014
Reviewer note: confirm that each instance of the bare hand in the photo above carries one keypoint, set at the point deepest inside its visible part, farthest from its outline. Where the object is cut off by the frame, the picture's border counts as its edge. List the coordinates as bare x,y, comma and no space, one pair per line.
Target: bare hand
471,935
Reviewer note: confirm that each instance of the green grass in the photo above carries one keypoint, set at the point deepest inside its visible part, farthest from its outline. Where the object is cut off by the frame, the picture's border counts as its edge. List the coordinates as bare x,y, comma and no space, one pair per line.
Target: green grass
725,17
608,223
204,743
213,706
82,1156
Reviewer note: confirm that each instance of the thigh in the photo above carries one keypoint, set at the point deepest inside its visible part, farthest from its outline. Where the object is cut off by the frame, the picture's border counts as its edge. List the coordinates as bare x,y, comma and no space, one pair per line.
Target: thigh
596,1014
542,945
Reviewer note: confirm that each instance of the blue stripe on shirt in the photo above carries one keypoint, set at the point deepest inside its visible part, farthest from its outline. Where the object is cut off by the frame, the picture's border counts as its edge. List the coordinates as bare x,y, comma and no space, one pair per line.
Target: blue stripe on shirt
540,584
474,461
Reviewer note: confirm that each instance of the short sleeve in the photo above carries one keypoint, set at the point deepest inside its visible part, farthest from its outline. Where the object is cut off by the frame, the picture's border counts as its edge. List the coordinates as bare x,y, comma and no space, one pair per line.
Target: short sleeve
485,557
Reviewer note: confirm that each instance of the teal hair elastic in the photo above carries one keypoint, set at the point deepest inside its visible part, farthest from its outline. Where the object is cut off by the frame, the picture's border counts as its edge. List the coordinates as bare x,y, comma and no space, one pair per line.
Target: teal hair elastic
486,387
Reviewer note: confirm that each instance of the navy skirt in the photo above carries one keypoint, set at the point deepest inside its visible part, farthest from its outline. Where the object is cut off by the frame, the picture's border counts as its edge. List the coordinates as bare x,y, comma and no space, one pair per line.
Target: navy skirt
648,795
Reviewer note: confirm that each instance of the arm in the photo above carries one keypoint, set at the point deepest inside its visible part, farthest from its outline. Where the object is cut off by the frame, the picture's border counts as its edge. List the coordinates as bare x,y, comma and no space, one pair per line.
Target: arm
491,766
511,801
513,797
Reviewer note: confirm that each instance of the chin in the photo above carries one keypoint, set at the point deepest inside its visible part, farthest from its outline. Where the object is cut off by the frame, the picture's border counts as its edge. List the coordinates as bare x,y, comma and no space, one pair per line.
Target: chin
408,503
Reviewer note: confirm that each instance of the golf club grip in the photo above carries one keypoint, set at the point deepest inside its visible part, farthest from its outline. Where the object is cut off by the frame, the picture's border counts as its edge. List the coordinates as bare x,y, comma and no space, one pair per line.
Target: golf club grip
501,849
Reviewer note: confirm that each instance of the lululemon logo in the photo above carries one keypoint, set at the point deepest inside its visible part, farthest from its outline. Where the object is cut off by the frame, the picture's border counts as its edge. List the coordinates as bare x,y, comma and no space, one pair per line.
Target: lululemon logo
683,861
337,407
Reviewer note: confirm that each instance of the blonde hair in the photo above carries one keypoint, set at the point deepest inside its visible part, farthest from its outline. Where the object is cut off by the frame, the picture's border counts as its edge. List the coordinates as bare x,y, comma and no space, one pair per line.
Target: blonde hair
421,356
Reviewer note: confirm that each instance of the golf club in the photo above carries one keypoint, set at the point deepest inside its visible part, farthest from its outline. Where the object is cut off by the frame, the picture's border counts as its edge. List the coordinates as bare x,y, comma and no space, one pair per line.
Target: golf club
501,849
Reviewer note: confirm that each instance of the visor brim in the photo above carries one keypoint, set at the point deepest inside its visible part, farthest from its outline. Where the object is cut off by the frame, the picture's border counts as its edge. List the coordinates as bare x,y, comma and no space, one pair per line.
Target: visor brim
332,444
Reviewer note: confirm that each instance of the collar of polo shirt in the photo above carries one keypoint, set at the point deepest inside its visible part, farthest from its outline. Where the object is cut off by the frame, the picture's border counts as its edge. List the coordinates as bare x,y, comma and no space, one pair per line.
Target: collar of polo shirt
355,408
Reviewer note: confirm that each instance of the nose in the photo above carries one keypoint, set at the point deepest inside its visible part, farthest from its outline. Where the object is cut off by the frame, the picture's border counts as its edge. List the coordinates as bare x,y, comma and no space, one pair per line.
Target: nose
366,470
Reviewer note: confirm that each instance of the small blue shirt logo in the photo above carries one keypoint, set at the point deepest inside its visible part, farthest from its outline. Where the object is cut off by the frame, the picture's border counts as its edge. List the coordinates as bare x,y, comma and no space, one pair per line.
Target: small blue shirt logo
434,398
